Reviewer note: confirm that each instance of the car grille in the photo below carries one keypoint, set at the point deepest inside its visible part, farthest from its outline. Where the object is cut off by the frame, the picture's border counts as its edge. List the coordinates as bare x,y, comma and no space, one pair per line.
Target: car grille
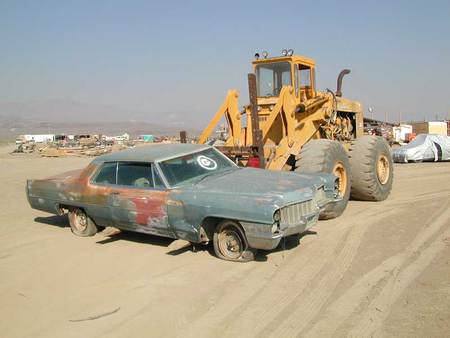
292,214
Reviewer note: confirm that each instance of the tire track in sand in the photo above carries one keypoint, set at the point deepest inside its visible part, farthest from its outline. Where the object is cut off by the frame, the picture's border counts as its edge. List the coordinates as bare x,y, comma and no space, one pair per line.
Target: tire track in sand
388,274
252,300
254,303
303,306
371,323
259,300
254,307
266,300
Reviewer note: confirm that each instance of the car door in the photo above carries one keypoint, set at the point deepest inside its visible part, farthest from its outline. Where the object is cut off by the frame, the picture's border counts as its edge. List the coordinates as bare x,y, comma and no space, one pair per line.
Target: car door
138,201
97,198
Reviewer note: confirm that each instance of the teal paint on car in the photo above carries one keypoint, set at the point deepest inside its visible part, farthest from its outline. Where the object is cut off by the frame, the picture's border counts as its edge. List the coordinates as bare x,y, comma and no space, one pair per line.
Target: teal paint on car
187,191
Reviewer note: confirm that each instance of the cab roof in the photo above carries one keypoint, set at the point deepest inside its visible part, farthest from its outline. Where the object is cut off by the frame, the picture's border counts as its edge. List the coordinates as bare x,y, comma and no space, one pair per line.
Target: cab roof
294,58
151,153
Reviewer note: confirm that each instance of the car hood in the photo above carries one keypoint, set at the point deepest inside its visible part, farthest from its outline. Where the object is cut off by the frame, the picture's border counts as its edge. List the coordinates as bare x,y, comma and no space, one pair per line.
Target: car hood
251,194
272,185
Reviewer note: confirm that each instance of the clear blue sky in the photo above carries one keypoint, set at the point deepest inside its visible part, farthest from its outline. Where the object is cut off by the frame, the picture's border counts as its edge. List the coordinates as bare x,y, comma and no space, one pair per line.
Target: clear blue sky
180,58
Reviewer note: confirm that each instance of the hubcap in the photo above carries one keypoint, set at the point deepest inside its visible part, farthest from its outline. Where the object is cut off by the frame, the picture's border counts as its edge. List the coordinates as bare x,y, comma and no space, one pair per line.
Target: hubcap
383,169
230,243
341,173
80,220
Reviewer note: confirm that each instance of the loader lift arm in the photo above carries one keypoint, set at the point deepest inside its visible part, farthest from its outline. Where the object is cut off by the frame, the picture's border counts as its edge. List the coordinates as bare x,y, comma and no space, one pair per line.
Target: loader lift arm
229,109
299,123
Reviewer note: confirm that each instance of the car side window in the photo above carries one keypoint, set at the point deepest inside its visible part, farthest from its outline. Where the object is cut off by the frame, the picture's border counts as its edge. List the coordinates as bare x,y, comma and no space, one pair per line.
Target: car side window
135,174
107,173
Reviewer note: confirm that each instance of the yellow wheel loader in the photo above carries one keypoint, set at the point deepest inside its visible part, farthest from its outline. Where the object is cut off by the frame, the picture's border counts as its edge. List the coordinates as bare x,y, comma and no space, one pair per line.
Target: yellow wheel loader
289,125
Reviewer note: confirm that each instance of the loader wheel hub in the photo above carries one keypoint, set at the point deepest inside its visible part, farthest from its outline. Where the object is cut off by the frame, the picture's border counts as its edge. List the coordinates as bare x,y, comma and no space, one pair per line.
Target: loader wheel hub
341,173
383,169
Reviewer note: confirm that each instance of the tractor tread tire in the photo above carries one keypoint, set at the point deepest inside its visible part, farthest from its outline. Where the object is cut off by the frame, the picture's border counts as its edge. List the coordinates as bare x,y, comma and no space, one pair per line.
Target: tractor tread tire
364,154
320,156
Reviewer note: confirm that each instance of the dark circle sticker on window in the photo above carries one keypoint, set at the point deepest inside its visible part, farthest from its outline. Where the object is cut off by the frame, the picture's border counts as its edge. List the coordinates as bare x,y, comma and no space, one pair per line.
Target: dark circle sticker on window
206,163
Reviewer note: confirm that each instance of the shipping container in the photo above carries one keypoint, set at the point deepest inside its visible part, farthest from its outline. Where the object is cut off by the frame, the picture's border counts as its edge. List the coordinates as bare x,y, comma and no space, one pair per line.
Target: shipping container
438,127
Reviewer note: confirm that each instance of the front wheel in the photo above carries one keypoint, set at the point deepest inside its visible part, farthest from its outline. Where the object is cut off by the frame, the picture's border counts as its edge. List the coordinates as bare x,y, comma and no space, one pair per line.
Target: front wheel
327,156
230,242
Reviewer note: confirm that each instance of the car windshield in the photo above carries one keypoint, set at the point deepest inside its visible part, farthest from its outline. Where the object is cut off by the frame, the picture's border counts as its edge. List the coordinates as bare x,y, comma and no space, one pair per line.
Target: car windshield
271,77
196,166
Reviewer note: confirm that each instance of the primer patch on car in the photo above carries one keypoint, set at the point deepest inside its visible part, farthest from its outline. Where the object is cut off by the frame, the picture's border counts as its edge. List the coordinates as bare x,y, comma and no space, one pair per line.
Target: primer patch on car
206,163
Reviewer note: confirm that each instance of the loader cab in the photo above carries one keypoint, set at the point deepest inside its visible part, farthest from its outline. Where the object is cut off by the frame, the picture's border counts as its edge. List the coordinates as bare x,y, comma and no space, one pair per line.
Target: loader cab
273,73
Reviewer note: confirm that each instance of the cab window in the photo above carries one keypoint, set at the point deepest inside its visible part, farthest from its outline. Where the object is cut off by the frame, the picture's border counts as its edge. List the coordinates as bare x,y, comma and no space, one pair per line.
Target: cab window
305,83
107,173
305,76
271,77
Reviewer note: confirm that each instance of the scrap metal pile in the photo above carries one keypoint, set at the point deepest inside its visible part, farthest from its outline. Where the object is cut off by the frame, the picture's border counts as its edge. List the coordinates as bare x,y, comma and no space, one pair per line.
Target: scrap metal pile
81,145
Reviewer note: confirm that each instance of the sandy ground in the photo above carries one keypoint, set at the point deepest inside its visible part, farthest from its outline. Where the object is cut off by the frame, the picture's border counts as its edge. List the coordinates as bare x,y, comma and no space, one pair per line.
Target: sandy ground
382,269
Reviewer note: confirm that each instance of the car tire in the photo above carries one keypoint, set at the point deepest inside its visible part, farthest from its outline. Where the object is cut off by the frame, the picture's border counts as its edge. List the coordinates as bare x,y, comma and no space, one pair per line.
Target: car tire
372,168
81,224
327,156
230,242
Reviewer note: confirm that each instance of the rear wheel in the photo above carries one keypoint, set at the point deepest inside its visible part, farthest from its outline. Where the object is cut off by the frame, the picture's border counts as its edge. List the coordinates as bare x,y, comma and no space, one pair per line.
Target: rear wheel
81,224
372,168
327,156
230,242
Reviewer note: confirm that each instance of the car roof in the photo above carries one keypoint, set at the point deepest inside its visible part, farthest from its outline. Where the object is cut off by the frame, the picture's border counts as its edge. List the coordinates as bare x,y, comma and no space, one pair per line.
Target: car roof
151,153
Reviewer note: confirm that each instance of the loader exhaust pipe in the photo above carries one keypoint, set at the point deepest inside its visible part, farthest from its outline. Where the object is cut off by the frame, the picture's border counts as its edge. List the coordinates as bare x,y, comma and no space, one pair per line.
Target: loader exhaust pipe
339,81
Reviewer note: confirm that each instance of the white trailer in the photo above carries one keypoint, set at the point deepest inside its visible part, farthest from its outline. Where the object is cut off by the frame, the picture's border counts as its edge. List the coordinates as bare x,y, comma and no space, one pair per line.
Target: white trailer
37,138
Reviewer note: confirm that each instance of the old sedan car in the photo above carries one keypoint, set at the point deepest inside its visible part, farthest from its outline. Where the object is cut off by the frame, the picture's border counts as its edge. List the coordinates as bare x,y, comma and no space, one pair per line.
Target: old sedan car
190,192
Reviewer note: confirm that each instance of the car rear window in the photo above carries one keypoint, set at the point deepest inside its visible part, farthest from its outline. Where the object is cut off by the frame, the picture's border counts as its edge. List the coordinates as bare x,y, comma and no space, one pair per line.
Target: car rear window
107,174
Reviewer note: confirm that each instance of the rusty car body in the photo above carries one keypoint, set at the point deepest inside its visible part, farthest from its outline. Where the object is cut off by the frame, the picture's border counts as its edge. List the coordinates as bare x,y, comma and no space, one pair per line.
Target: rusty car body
187,191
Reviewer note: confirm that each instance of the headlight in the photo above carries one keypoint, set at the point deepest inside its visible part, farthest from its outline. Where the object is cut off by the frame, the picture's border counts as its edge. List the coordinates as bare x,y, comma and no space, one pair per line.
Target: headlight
277,216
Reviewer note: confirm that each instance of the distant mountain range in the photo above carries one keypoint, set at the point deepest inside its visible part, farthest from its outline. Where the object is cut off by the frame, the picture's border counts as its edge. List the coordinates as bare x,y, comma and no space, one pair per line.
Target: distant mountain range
71,117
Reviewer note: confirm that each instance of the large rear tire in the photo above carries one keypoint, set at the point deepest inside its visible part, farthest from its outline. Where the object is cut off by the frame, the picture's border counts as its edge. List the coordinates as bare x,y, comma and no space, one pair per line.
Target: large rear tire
327,156
372,168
